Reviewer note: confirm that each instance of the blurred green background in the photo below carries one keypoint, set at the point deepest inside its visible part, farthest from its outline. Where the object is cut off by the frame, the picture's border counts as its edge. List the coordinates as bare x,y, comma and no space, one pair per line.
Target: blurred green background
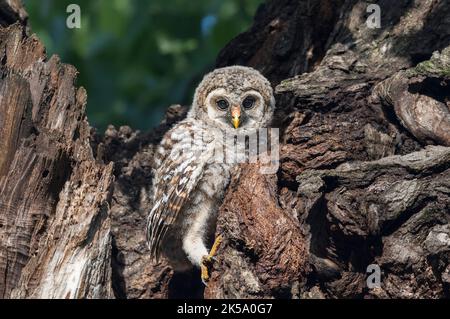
136,57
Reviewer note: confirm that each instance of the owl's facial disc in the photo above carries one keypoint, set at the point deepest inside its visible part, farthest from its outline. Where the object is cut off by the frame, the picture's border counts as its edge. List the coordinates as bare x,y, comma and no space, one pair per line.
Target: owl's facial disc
244,108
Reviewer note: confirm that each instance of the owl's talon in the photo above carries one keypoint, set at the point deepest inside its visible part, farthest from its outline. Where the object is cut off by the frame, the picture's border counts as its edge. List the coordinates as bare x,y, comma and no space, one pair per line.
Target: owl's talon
208,260
204,267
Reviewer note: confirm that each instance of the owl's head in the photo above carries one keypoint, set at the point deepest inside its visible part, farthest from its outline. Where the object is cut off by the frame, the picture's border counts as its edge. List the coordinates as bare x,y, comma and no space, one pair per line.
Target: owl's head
234,98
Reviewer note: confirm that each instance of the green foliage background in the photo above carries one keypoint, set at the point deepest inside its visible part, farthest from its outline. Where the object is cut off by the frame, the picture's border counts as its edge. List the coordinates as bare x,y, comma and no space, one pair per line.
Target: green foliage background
136,57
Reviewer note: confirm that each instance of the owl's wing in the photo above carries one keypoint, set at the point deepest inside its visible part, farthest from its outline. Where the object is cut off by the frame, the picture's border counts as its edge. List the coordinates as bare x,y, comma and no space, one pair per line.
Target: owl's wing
175,179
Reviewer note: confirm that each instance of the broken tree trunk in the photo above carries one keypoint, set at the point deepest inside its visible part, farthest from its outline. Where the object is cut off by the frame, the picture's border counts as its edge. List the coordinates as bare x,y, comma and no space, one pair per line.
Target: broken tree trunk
54,195
364,175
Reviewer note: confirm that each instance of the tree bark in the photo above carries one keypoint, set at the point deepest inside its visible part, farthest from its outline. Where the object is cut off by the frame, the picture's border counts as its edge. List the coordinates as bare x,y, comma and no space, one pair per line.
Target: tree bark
364,176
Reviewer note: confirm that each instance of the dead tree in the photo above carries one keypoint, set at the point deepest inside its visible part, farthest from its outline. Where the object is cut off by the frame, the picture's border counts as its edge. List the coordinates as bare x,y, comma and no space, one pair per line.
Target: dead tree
364,176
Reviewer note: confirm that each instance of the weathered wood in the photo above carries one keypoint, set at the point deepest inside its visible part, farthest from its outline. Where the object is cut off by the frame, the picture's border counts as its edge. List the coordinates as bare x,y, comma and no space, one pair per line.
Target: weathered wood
264,254
54,212
386,212
418,96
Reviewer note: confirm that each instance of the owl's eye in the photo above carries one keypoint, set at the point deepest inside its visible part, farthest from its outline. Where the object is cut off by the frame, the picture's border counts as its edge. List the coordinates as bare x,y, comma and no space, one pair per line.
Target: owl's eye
248,102
222,104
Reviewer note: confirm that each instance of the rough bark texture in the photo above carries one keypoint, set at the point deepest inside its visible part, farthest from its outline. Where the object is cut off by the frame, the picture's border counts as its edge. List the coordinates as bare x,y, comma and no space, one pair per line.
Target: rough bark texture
54,195
364,173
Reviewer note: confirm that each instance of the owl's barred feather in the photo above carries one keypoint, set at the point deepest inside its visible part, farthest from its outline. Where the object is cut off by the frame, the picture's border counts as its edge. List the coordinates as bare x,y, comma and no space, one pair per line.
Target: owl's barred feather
180,176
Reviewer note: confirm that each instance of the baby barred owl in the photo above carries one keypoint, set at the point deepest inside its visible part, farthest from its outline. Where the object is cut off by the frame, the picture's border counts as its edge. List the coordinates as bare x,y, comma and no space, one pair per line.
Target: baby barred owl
191,178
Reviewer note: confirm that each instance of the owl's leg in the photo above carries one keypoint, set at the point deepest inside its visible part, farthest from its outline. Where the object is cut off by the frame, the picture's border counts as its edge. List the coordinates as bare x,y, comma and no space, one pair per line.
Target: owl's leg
207,260
193,243
194,235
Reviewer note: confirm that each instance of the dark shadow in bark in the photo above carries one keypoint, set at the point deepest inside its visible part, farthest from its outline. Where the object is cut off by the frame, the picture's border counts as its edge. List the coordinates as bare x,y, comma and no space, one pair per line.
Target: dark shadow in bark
117,266
186,285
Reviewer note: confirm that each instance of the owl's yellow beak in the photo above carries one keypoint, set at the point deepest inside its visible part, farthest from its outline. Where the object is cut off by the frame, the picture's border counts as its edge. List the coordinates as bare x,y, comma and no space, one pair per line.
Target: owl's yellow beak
235,121
235,116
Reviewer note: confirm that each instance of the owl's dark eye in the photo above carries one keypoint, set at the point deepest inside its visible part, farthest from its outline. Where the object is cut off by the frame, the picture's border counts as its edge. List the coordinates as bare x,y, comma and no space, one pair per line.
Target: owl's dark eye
248,102
222,104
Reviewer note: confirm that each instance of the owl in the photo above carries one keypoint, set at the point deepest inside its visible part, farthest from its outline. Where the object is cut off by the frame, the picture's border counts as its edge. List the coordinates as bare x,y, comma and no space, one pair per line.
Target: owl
191,179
